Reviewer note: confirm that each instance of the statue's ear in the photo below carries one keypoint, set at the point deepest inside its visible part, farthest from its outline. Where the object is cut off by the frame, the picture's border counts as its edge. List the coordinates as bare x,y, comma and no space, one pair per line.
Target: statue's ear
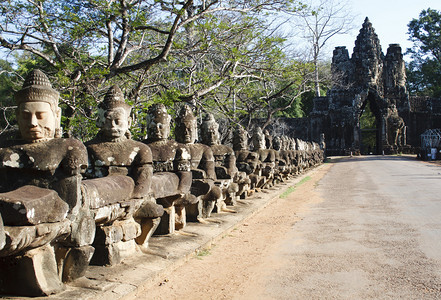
129,121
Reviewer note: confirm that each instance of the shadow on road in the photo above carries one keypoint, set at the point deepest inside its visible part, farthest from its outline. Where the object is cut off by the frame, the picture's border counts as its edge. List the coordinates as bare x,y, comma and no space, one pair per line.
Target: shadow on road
343,159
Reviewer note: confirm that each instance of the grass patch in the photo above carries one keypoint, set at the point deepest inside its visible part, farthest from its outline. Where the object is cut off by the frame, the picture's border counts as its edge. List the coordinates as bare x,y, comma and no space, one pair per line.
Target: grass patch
201,253
293,188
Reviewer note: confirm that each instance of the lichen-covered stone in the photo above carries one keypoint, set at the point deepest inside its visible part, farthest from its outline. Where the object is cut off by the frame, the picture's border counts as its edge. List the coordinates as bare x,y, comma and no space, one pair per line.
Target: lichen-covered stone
75,262
108,190
31,205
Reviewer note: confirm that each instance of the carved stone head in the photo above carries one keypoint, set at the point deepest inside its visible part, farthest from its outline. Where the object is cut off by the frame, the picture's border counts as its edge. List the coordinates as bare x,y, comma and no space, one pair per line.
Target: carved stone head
258,139
240,139
292,144
277,143
114,115
186,126
210,131
158,123
37,111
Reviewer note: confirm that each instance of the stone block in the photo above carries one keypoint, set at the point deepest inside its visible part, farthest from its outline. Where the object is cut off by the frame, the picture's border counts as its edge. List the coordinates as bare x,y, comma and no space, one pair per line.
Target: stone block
150,209
32,274
165,184
76,263
130,229
105,255
83,229
31,205
113,254
106,235
148,227
167,224
108,190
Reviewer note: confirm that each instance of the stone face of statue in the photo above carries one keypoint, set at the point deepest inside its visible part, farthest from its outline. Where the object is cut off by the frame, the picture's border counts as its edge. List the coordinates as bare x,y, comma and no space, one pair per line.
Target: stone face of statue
277,143
186,126
240,139
209,131
159,128
190,132
36,121
259,139
116,123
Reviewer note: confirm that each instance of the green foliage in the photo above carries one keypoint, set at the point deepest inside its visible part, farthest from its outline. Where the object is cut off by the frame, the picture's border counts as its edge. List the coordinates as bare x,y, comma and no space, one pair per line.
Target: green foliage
367,119
8,83
424,71
226,61
368,124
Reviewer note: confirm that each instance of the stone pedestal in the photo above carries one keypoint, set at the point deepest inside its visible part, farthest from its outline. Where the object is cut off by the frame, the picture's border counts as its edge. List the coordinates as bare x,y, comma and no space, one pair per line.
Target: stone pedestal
167,223
32,274
148,227
115,242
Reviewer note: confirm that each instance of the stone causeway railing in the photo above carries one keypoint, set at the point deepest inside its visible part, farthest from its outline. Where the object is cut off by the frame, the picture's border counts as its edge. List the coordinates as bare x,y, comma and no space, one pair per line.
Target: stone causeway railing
66,206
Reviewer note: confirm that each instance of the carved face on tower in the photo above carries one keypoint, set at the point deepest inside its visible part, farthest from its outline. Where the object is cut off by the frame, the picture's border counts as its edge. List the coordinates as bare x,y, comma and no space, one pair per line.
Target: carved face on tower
259,139
37,111
158,120
240,139
186,126
114,115
210,131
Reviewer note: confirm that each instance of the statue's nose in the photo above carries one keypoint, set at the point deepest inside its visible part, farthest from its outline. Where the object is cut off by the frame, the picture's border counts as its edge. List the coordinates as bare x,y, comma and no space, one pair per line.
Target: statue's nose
34,120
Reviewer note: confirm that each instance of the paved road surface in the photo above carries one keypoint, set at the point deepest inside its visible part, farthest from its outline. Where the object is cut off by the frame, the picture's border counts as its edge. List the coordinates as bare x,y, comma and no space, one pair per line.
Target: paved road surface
370,228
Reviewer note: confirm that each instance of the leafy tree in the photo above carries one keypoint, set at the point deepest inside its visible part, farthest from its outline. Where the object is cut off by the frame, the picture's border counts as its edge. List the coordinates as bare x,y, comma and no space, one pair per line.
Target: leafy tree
318,23
9,82
424,71
156,50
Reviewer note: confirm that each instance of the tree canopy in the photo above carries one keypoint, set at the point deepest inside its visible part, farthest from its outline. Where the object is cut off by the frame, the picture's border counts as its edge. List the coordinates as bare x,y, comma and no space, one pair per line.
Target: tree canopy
424,71
226,56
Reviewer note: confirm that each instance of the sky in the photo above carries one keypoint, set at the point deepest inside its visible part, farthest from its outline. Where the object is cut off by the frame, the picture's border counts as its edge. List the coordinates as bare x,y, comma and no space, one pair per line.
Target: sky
389,19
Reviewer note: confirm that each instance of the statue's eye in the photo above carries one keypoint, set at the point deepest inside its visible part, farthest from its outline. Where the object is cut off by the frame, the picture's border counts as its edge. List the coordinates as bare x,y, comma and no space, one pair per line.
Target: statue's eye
26,114
40,115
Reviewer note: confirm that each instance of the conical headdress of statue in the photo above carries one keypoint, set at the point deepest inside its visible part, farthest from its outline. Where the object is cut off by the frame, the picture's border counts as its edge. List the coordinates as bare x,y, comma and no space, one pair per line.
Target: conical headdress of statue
158,111
114,98
240,139
185,115
186,126
37,88
209,121
210,130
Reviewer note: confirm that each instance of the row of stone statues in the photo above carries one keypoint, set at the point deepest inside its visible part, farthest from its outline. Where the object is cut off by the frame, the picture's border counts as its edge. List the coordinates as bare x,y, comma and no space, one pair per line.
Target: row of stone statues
65,204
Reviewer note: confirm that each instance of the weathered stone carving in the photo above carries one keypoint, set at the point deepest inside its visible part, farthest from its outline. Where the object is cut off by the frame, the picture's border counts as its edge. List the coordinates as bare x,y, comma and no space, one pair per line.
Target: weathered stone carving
369,79
45,221
397,128
120,192
267,157
283,157
233,182
294,156
172,176
202,166
246,160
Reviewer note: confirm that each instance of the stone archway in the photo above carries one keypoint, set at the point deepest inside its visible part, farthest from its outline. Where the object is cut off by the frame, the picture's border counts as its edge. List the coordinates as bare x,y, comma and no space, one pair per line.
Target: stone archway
370,120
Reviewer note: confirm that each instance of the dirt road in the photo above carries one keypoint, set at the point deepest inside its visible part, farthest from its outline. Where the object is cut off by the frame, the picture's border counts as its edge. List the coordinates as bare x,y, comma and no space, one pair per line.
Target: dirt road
361,228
